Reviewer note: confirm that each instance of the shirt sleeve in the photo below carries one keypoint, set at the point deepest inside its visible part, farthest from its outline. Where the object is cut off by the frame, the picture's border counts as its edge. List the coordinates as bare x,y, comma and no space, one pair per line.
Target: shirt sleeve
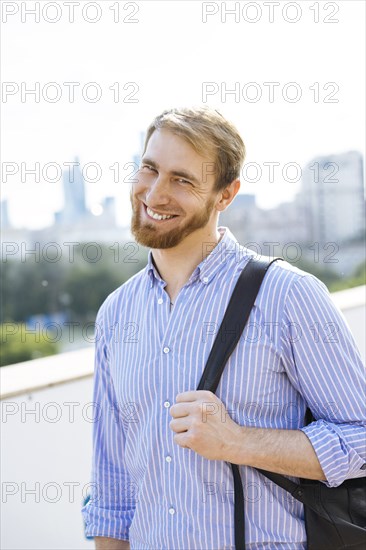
110,510
324,364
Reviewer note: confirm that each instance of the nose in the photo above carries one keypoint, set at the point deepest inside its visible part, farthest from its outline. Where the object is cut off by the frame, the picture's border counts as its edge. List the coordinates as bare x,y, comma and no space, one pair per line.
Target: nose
158,191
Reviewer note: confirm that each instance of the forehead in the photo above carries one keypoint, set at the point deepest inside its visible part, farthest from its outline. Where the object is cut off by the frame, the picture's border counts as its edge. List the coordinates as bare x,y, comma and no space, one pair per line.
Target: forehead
171,152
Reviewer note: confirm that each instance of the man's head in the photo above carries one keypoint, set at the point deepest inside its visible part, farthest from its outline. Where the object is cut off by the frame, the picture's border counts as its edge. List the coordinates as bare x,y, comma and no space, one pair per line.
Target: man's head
189,170
211,135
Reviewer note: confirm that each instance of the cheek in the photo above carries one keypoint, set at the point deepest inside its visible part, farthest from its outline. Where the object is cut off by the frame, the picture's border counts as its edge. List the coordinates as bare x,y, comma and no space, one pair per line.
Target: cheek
138,184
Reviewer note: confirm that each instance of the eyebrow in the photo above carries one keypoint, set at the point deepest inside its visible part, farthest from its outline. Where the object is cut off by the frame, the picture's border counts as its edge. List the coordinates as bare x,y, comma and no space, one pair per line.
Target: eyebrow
181,173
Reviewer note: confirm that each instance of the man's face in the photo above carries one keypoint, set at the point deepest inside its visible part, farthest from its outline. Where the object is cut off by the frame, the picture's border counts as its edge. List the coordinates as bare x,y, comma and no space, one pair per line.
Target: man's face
173,181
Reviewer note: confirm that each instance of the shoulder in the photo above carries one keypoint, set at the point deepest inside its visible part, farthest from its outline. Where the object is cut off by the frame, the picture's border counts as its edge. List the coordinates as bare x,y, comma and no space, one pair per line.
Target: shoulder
287,278
282,277
285,287
300,295
116,300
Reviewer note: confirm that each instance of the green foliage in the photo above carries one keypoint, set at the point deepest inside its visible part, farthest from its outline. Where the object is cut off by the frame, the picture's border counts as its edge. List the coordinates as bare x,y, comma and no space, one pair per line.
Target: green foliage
326,275
331,279
18,344
358,279
88,288
30,288
76,284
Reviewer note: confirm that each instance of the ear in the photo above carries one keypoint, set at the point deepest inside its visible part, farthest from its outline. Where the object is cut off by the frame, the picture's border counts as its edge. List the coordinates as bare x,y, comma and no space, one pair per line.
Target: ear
227,195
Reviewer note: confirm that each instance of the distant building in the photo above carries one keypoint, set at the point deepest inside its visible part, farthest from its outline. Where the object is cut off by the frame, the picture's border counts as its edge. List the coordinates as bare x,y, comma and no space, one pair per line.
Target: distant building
332,197
265,231
4,215
74,196
74,190
237,213
109,210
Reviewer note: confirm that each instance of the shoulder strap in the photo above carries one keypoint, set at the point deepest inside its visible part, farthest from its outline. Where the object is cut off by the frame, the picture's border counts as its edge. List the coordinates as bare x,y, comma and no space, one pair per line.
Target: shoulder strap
231,328
234,321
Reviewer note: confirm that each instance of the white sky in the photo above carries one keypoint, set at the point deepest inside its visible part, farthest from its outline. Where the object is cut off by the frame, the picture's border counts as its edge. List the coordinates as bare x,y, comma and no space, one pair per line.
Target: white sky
169,53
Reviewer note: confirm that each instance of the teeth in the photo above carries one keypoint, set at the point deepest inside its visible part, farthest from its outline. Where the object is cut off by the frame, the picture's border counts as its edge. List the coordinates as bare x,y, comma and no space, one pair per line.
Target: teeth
157,216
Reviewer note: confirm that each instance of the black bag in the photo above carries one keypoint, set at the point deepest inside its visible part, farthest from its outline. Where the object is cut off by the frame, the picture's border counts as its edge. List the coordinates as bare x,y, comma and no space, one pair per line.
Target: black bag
335,518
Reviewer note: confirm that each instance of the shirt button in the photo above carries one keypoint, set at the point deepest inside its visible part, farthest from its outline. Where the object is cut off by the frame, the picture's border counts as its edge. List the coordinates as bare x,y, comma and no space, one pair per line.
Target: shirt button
160,300
166,350
168,458
166,404
171,511
205,280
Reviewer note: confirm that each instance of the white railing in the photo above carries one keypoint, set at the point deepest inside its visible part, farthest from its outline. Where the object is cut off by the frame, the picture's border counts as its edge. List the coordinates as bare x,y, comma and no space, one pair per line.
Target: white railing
46,423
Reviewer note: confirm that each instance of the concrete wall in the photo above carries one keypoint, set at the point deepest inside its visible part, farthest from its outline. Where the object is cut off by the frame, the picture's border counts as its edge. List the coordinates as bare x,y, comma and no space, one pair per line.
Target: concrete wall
46,460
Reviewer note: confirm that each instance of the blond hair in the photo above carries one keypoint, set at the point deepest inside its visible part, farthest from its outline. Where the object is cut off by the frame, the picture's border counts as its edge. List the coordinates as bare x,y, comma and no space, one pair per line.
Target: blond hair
210,134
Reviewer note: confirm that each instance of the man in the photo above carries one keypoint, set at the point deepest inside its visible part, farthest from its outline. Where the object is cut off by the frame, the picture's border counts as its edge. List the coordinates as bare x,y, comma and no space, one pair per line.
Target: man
161,449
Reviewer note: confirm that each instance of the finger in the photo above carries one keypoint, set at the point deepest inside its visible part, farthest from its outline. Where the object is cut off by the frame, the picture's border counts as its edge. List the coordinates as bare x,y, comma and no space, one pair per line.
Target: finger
179,410
181,440
189,396
179,426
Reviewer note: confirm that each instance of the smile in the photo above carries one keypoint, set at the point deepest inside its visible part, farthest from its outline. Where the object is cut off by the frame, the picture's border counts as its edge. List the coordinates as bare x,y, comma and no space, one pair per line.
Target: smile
157,216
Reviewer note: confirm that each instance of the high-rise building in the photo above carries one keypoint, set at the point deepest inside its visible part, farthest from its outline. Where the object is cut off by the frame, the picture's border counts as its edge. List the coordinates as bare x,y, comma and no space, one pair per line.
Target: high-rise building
4,216
109,210
74,195
332,196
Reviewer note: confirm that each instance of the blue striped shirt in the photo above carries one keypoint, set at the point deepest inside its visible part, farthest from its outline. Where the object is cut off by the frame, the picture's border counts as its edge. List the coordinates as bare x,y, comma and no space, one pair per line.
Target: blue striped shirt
296,350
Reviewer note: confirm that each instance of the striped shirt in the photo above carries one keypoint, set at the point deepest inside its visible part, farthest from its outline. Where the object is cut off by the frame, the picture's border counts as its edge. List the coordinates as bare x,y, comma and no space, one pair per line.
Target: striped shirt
296,350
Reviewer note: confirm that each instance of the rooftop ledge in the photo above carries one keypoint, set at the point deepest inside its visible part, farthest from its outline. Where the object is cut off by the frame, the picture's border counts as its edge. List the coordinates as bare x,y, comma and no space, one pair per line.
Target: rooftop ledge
67,367
48,371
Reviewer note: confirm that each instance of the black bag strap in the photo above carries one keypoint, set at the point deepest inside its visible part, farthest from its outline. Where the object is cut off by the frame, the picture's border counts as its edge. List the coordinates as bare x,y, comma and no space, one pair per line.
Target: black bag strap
231,328
234,321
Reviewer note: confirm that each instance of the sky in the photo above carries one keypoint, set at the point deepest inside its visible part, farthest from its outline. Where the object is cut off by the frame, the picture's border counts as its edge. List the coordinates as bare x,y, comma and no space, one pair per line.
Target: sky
297,69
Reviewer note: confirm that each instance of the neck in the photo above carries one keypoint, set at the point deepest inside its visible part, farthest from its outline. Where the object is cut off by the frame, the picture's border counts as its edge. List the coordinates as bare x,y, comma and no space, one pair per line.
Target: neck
177,264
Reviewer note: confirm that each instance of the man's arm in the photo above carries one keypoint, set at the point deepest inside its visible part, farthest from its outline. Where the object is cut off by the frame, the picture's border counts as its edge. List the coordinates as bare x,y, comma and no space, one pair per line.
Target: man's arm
286,452
104,543
111,507
324,365
202,424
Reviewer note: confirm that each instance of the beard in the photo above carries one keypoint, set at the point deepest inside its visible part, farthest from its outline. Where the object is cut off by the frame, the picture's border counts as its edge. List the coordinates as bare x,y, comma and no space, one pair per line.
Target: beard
154,236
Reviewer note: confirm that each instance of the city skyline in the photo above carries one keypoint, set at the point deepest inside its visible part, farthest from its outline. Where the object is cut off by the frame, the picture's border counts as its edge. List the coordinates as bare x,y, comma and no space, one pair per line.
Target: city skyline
74,198
298,99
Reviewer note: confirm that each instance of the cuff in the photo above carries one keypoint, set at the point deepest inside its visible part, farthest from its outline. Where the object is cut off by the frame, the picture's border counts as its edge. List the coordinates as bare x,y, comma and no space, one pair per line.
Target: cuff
338,460
101,522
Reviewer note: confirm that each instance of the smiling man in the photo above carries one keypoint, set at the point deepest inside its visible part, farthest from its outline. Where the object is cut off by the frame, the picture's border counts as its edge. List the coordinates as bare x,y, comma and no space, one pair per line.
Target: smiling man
161,476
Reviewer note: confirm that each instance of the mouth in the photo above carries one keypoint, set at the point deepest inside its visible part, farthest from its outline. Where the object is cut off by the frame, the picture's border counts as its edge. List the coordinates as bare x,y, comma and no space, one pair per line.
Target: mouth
152,215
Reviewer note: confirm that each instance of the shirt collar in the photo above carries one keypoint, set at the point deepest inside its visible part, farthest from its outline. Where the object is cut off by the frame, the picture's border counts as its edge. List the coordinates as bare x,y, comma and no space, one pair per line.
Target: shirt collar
207,269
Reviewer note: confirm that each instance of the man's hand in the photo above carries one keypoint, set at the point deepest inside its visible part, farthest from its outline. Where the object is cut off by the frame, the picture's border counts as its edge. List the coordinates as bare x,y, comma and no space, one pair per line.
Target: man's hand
202,423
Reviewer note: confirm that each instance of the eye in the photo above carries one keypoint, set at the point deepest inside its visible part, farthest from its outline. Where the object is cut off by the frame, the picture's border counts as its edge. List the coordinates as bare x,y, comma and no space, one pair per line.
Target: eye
182,180
148,167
